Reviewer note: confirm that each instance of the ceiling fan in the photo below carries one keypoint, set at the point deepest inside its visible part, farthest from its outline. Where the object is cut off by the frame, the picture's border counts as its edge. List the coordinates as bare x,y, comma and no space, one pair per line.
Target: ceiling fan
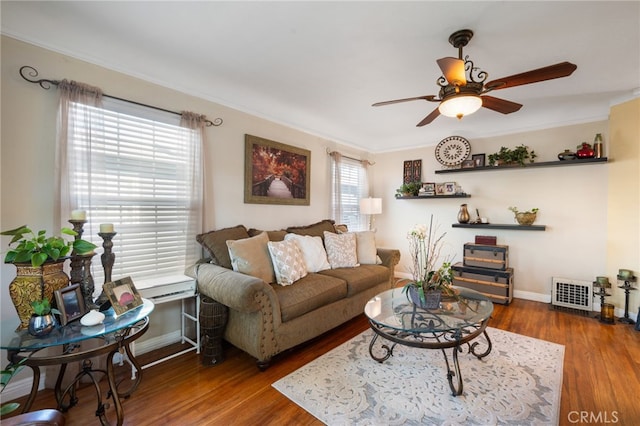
463,89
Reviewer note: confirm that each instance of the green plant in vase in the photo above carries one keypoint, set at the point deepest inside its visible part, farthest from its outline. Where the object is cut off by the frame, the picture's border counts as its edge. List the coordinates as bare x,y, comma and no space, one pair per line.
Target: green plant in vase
518,155
409,188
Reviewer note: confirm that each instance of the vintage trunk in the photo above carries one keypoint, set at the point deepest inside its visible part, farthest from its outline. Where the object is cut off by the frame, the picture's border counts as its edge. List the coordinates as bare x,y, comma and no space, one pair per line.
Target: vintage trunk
486,256
496,285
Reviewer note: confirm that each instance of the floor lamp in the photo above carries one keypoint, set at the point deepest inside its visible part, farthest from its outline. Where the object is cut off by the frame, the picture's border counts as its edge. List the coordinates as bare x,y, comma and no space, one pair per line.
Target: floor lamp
371,206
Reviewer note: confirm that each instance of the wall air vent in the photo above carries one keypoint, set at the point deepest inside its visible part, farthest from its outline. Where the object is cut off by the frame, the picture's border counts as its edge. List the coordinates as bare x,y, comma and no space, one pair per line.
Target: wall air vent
573,294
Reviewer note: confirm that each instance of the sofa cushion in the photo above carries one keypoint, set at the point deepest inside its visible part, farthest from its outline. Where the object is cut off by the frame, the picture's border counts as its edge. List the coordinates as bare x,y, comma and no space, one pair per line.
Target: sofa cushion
288,262
341,250
360,278
366,248
215,242
315,230
273,235
315,256
251,256
308,294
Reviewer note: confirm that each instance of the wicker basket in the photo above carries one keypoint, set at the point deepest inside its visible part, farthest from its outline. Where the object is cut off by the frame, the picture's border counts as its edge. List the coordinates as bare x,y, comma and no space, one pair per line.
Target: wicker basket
213,319
525,218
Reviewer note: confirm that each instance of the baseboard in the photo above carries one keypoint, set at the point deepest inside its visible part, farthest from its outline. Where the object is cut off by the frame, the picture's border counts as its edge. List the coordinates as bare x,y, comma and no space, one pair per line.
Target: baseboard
158,342
528,295
17,388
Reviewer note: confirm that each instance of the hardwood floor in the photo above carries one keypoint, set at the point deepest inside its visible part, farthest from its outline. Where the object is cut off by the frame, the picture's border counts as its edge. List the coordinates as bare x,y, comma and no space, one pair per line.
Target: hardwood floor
601,383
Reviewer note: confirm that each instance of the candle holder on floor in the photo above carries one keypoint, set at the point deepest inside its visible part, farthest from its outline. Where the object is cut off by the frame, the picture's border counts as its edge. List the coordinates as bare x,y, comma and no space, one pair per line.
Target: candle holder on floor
627,287
606,309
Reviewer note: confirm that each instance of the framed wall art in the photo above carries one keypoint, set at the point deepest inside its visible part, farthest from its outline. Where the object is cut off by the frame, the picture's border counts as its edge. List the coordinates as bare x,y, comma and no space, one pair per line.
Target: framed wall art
275,173
449,188
440,189
122,294
468,164
70,303
429,188
478,160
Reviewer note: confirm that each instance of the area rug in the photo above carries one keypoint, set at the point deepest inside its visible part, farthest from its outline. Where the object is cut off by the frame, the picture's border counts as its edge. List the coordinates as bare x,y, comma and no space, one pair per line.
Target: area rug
519,383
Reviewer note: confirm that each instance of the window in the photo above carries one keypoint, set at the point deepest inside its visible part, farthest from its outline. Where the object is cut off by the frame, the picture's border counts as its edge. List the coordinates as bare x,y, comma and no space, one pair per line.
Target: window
350,184
134,167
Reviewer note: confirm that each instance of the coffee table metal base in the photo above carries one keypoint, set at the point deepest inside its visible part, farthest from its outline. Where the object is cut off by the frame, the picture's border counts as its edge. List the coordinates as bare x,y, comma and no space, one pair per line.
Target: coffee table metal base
453,339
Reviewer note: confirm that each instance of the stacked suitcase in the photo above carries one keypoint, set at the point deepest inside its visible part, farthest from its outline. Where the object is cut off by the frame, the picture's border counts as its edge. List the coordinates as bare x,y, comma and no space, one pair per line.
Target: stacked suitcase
486,269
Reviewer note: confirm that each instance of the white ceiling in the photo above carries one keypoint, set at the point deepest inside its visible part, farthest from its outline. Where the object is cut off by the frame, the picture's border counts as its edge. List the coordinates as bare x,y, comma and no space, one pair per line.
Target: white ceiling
318,66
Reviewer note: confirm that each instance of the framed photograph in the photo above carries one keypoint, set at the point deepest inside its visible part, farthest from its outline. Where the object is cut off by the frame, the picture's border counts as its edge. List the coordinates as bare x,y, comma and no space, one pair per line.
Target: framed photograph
468,164
123,295
429,188
478,160
70,303
449,188
275,173
440,189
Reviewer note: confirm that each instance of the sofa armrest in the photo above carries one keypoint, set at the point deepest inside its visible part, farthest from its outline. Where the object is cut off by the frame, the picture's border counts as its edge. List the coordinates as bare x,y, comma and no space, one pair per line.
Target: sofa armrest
390,257
234,289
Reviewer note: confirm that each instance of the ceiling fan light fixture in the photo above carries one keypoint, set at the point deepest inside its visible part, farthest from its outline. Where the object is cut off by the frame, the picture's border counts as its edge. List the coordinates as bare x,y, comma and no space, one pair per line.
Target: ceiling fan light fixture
460,105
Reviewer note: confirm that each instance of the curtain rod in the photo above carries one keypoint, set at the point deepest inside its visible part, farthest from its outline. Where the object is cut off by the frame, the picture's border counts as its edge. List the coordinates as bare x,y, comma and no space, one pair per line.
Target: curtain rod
371,163
46,84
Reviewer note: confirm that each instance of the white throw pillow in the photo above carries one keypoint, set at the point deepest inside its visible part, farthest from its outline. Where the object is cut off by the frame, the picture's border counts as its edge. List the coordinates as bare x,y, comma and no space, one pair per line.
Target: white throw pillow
251,256
366,248
341,250
288,262
313,252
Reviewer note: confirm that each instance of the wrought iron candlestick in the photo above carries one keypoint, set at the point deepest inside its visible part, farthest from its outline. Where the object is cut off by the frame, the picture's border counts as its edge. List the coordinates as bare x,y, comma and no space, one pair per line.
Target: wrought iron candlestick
606,309
627,287
76,260
108,259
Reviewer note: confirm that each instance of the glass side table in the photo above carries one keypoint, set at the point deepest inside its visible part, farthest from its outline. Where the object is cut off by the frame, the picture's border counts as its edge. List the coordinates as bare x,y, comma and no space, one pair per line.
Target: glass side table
115,335
454,323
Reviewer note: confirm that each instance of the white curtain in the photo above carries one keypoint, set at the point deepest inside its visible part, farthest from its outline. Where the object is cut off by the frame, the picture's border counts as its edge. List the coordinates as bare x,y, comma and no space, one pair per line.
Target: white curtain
336,191
196,123
76,116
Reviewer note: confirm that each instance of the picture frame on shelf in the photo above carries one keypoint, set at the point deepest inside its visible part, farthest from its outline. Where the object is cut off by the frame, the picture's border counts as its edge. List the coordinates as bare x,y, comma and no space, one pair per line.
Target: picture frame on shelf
123,295
440,189
70,303
267,162
429,188
468,164
478,160
449,188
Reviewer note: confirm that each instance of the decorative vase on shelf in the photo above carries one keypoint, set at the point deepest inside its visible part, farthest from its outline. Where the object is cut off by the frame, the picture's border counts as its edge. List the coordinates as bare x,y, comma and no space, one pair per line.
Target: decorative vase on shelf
463,214
598,146
585,151
34,283
567,155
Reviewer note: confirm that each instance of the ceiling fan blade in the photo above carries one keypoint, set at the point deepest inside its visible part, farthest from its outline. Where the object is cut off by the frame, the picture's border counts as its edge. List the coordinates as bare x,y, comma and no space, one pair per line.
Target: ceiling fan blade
453,70
429,118
500,105
417,98
563,69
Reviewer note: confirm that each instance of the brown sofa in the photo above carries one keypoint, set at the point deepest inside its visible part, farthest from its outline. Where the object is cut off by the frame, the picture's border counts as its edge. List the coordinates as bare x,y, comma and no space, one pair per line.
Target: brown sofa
266,318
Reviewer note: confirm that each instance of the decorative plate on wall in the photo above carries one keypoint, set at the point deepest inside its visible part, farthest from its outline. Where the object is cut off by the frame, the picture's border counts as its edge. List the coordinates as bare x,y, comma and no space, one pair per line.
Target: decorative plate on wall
452,150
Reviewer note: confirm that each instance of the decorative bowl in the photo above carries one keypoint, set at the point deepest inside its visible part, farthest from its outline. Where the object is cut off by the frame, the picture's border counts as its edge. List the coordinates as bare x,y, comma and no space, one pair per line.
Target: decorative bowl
525,218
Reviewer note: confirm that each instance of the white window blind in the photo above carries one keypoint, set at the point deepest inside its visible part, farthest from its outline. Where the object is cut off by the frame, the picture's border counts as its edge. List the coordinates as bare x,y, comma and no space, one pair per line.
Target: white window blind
139,178
353,186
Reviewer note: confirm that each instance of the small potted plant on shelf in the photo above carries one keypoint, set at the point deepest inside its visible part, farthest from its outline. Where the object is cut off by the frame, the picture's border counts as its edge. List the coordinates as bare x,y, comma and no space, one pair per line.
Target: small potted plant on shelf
507,156
525,217
408,189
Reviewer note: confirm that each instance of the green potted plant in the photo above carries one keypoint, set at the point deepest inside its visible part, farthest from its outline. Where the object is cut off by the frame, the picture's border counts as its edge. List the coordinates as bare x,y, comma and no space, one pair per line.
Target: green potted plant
7,374
42,321
518,155
409,189
39,261
524,217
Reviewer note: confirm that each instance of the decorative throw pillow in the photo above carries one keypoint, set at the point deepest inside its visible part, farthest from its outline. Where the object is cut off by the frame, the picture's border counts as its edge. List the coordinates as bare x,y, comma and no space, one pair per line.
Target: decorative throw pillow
288,262
315,229
313,252
215,242
251,256
366,248
341,250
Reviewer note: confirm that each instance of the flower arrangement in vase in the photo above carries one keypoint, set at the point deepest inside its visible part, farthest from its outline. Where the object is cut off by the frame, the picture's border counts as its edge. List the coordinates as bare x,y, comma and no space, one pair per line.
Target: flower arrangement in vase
430,282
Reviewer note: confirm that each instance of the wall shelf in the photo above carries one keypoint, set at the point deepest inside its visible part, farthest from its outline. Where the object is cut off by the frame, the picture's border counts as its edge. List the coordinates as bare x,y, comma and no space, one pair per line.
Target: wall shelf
558,163
500,226
417,197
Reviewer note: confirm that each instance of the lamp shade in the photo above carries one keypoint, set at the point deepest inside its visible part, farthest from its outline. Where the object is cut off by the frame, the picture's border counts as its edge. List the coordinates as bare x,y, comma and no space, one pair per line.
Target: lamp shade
371,205
460,105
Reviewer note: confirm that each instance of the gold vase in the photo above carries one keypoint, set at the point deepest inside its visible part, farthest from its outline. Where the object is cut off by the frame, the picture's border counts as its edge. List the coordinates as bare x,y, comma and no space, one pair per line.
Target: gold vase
463,214
35,283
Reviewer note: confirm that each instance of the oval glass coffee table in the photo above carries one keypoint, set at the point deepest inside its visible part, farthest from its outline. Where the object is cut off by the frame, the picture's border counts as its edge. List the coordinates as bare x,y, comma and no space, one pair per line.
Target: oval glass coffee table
453,324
